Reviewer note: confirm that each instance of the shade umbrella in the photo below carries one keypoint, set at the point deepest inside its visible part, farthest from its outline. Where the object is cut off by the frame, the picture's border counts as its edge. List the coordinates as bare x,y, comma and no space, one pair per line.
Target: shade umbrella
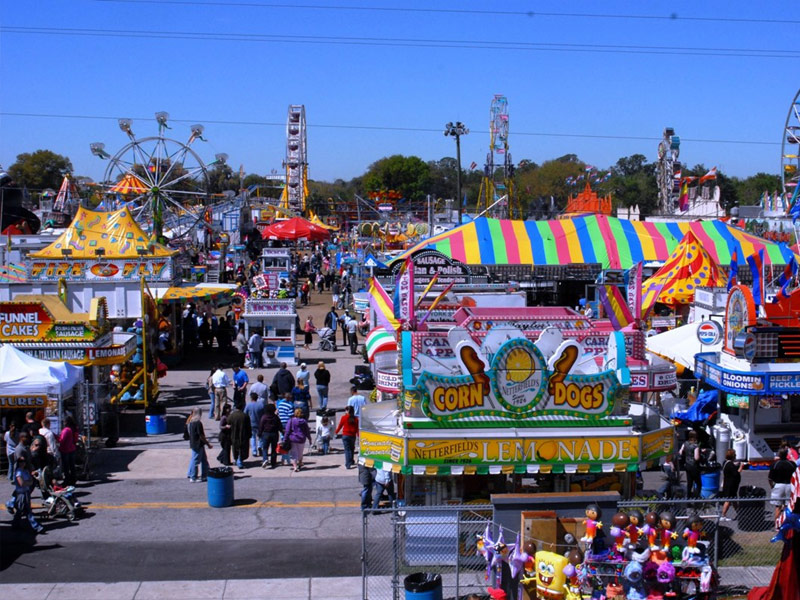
295,228
689,267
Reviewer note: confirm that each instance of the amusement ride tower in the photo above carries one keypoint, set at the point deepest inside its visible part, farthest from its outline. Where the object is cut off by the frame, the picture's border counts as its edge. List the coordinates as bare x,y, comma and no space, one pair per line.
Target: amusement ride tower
497,188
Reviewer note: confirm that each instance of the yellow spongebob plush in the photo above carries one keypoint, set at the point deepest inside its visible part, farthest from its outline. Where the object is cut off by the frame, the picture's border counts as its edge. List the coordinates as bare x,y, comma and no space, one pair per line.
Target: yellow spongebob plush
550,579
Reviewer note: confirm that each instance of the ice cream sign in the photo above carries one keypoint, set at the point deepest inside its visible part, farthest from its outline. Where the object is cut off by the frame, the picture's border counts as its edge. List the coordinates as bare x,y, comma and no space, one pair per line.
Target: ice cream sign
511,377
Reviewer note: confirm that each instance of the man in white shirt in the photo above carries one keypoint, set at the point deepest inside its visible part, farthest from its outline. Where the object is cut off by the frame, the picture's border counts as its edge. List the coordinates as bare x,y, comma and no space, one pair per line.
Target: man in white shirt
356,400
352,336
220,381
260,389
254,347
50,438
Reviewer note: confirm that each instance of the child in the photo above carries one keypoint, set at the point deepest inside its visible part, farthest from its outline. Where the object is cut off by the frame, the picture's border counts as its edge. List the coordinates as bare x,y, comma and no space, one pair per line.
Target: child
324,435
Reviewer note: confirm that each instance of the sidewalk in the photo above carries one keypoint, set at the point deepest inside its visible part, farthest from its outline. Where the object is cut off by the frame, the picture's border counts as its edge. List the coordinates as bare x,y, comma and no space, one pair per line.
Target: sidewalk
336,588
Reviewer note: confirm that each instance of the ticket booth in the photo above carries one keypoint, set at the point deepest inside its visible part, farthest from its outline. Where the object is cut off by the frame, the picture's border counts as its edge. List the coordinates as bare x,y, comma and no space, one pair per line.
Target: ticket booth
276,321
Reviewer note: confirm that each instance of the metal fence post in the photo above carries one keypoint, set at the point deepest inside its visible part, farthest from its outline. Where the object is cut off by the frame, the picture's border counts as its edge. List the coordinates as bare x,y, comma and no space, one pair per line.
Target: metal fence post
716,535
395,553
459,515
364,569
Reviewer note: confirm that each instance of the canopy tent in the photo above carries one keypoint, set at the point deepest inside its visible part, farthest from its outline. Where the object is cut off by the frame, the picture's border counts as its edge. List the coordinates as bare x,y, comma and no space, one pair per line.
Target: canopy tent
688,267
614,243
679,345
130,185
295,228
115,234
21,374
318,222
178,294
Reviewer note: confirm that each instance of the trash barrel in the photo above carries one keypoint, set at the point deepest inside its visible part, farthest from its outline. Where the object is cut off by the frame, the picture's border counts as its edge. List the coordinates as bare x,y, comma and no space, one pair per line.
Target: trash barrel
751,512
423,586
109,426
709,481
220,487
155,420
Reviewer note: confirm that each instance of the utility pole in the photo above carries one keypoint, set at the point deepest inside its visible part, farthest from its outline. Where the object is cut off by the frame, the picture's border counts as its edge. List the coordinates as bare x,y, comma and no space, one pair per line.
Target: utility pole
456,130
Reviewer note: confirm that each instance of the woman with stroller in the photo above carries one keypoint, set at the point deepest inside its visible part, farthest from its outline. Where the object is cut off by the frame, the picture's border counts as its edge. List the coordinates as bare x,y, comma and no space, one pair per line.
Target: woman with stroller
308,329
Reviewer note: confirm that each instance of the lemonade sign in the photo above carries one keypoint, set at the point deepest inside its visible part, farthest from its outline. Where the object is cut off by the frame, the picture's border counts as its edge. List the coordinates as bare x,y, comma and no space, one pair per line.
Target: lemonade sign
519,384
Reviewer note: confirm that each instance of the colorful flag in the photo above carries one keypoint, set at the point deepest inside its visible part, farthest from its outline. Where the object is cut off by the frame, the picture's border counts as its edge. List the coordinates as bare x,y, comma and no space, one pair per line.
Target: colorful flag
634,288
382,305
683,201
789,272
756,262
782,294
427,289
712,174
379,340
435,302
733,272
473,165
614,305
404,293
650,295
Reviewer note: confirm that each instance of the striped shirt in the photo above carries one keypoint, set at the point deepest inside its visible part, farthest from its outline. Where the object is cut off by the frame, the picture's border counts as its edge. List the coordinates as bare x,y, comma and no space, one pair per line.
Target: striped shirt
285,410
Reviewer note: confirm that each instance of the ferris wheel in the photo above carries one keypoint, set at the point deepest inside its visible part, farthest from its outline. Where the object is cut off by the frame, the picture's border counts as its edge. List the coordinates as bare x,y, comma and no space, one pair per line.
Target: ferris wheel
163,181
790,153
668,171
498,172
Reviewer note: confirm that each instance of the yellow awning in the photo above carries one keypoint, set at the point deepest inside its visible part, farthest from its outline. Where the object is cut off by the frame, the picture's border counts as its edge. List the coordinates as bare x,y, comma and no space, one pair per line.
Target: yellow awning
182,294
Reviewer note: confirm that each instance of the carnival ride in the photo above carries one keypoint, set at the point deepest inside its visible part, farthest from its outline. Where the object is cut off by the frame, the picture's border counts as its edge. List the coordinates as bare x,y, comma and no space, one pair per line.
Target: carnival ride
790,153
668,171
496,196
294,194
163,181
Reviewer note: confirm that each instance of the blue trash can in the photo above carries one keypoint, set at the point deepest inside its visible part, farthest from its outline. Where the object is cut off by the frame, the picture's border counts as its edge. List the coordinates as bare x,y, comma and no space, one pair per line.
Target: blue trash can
423,586
220,487
155,424
709,483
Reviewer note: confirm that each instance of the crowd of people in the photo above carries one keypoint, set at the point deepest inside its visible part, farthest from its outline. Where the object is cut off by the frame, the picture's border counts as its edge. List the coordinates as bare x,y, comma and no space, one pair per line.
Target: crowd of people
38,459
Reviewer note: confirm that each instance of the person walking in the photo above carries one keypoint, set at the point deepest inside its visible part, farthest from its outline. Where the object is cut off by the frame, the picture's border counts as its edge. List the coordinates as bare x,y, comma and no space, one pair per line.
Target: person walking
352,335
332,320
731,479
285,409
67,445
255,410
343,323
224,456
366,477
210,390
297,432
780,477
303,374
255,346
671,479
383,483
322,377
283,381
324,435
690,454
52,442
31,427
356,400
240,381
240,435
335,297
269,430
10,438
240,343
220,381
308,332
348,427
23,486
260,389
301,398
198,444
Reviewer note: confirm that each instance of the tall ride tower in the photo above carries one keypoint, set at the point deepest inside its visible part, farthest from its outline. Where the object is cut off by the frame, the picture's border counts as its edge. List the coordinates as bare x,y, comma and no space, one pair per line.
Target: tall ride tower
498,172
296,163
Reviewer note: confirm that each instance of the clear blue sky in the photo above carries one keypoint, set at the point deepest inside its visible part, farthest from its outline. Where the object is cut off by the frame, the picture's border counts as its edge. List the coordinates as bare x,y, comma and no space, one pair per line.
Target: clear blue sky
358,82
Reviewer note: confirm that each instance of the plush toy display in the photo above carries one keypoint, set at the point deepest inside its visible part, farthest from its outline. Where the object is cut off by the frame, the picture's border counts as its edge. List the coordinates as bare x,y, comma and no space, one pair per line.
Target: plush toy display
692,534
634,581
667,531
619,531
651,529
635,528
550,579
593,524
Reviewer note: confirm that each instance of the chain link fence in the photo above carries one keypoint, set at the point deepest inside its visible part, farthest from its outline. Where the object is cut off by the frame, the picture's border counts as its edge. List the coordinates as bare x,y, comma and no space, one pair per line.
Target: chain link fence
739,545
400,541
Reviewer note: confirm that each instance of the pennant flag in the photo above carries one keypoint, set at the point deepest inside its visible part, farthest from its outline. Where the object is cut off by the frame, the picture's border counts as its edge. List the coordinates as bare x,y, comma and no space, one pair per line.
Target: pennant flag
404,292
382,305
614,305
734,270
712,174
683,201
782,294
756,262
379,340
427,289
473,165
634,288
436,301
789,272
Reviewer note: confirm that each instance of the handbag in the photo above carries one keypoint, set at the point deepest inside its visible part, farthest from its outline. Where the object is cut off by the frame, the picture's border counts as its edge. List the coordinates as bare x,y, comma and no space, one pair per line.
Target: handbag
284,446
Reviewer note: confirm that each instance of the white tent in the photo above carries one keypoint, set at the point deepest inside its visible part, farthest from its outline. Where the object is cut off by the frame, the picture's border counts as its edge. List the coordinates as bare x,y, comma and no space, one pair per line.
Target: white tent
679,345
21,374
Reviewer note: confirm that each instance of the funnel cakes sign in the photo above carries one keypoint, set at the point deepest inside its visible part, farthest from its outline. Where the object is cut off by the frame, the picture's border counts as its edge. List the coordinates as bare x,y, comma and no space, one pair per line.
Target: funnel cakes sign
518,381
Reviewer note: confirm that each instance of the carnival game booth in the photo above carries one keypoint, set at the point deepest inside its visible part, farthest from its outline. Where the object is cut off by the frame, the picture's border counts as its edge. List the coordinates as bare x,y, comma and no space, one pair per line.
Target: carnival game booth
100,254
275,319
512,411
48,389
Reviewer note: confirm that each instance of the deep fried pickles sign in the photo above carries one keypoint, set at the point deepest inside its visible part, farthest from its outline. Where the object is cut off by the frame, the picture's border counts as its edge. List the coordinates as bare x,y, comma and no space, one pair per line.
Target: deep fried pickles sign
518,385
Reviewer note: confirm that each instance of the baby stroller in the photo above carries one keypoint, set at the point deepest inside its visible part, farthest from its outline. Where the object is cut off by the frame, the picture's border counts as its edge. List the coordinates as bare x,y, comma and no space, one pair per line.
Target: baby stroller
327,339
57,500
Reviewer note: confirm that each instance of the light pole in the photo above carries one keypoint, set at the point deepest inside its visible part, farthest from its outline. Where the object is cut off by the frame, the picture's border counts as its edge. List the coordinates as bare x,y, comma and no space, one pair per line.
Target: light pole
456,130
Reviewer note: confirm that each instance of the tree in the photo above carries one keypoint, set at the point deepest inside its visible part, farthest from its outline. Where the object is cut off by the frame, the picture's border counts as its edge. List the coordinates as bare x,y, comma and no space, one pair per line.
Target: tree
409,175
550,179
749,190
221,178
40,170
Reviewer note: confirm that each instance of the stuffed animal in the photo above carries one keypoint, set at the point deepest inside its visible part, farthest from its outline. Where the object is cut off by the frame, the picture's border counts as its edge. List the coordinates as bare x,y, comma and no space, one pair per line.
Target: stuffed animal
651,530
634,581
619,530
692,533
593,524
668,532
635,527
550,579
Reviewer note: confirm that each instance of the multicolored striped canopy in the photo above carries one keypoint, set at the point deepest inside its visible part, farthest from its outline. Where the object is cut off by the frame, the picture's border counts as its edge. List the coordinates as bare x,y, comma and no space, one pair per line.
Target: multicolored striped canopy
614,243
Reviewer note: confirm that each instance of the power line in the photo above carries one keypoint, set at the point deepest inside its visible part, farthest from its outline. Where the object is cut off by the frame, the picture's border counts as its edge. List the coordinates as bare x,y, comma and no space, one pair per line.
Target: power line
436,130
407,42
451,11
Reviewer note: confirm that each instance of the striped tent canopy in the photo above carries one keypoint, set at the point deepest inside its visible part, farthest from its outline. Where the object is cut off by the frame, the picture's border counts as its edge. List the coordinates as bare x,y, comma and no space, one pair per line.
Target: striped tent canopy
614,243
688,267
130,184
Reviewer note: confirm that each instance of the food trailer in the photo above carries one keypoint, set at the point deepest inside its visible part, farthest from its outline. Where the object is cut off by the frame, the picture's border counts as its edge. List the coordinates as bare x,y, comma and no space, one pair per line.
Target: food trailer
276,320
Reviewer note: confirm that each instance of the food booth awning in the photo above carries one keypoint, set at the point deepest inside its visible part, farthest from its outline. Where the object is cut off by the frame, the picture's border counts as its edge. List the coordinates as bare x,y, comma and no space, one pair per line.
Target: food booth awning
24,375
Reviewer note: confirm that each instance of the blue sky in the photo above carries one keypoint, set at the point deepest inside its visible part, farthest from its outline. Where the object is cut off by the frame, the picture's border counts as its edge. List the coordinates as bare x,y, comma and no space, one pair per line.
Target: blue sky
365,99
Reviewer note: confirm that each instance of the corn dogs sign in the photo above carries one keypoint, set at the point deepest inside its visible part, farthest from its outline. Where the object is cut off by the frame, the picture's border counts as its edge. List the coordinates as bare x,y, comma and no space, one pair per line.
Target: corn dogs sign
519,384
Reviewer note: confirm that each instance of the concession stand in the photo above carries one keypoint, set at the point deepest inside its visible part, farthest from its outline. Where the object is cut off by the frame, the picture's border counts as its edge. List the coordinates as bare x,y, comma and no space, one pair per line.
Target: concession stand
506,401
275,319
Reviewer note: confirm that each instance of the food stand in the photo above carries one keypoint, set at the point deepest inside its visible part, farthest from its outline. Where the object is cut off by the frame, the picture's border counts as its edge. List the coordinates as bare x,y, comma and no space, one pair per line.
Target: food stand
276,320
